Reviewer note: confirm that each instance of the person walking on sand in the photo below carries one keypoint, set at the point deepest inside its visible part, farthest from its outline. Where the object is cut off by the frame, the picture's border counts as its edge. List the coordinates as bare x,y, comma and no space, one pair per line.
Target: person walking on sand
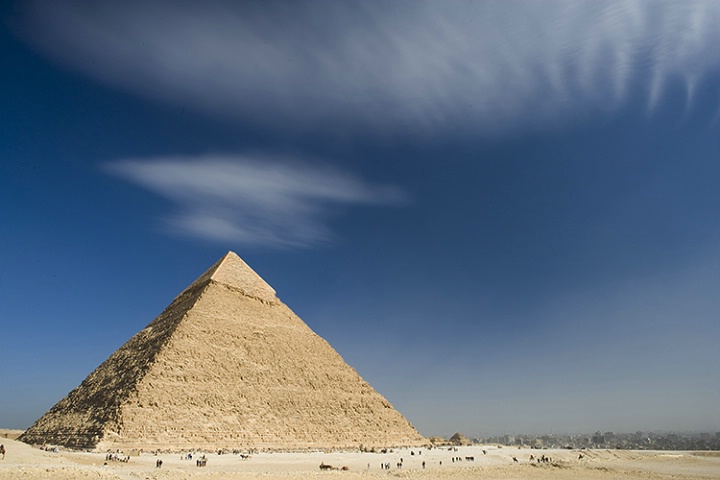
2,451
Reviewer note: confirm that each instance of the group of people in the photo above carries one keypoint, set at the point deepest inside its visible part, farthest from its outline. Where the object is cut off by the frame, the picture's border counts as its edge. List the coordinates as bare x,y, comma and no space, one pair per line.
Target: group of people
114,457
460,459
387,466
542,459
199,462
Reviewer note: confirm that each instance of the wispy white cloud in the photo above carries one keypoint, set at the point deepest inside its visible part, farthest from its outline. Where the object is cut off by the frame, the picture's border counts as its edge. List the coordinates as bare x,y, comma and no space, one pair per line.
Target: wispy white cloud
251,199
482,67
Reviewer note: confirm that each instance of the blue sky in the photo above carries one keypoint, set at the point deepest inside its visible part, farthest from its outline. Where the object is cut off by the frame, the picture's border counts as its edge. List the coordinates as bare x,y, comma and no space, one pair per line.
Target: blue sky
504,215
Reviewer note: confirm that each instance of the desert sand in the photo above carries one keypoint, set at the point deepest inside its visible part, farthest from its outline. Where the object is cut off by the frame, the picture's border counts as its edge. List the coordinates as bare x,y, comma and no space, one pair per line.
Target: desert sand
24,462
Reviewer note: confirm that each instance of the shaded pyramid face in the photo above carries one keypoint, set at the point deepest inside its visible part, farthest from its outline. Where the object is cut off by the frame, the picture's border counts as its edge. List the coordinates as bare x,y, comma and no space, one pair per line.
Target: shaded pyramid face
226,365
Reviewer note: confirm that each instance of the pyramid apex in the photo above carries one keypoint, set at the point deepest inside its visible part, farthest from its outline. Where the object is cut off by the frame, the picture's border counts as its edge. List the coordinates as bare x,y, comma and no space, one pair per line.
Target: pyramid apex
232,271
230,255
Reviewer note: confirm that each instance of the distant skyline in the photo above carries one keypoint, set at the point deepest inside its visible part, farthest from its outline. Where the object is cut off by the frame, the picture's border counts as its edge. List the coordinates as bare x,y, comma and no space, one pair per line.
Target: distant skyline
504,215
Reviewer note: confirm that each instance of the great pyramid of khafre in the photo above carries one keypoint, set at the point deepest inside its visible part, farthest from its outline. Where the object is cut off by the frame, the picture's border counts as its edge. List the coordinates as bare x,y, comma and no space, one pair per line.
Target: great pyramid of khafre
226,365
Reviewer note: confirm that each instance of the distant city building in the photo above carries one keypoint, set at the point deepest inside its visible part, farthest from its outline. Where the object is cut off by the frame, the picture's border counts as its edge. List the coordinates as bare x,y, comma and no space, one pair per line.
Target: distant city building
625,441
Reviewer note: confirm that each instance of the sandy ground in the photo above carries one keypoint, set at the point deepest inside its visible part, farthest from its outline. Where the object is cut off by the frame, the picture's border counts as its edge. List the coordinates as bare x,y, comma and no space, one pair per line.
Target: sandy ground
23,462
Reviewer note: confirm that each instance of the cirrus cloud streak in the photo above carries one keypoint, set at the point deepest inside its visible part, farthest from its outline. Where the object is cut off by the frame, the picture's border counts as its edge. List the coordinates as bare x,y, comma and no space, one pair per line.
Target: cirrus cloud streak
253,199
480,67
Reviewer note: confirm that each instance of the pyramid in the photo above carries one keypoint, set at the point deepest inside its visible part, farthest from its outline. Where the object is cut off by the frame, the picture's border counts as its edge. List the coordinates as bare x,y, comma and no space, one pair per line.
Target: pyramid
226,365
